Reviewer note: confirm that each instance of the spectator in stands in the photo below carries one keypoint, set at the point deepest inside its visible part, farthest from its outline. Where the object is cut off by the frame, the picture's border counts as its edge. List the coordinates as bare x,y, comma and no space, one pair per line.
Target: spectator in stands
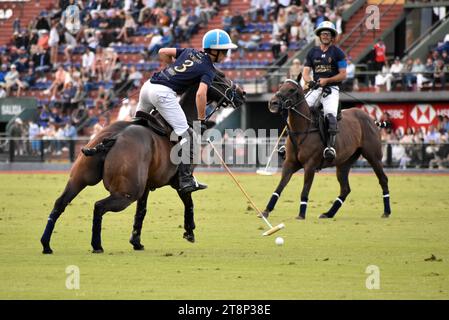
97,127
407,75
42,22
396,71
71,44
17,131
251,45
438,75
53,41
3,72
348,83
146,11
88,61
61,78
34,133
259,8
67,96
128,29
109,61
12,81
29,79
43,39
226,21
70,131
433,135
380,56
280,22
41,60
124,113
295,69
193,23
417,77
276,45
238,22
383,78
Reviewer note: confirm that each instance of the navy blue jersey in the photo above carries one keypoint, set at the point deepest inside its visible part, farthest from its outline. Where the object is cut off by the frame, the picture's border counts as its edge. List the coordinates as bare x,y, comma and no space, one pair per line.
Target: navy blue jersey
190,68
325,64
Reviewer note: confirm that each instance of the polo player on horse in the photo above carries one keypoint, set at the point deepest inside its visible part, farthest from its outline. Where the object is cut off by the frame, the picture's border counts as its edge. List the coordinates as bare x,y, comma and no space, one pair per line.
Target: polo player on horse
187,67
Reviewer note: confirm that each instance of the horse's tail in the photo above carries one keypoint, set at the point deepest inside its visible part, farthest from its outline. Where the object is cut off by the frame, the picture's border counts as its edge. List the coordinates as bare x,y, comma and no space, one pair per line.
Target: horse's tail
381,124
103,147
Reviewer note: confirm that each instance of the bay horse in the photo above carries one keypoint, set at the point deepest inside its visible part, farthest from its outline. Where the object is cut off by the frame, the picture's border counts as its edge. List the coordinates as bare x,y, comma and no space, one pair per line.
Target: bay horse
136,163
358,135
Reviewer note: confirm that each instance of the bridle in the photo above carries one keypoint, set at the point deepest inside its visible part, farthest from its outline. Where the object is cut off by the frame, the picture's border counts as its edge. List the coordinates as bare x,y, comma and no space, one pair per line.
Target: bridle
227,92
285,101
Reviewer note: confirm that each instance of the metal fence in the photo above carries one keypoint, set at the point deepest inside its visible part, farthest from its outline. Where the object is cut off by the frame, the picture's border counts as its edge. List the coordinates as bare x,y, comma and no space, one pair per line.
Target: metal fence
237,152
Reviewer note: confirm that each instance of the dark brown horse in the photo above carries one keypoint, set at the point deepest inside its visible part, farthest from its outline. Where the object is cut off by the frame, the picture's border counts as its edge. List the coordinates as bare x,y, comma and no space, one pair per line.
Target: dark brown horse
137,162
358,135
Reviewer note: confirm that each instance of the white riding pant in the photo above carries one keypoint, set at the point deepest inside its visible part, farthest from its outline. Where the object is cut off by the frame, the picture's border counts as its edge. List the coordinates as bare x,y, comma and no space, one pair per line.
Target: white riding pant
165,100
330,102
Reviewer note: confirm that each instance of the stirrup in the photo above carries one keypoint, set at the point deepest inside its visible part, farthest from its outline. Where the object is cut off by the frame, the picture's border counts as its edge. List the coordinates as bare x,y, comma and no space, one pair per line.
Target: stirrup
329,153
192,187
281,151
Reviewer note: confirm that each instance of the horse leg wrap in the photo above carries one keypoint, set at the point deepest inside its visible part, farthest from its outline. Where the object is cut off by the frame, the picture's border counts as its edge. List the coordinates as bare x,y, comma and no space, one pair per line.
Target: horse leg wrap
335,206
303,206
272,203
387,209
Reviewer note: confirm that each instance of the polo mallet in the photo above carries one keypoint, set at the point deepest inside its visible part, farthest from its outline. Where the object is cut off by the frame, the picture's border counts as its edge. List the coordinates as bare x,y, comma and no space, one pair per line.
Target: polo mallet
265,172
272,229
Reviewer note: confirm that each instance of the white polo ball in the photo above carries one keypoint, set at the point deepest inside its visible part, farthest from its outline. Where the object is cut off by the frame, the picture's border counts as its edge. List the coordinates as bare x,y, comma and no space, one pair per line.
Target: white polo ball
279,241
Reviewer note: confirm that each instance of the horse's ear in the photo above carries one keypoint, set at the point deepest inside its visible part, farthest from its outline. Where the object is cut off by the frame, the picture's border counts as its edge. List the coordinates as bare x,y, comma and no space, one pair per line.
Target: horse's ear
299,77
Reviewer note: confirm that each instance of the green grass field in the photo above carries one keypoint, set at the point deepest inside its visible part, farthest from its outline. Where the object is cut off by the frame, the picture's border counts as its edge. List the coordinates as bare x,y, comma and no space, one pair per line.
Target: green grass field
321,259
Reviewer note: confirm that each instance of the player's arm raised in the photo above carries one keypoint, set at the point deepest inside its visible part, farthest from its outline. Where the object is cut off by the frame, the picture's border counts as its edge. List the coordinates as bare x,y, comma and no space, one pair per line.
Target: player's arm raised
166,55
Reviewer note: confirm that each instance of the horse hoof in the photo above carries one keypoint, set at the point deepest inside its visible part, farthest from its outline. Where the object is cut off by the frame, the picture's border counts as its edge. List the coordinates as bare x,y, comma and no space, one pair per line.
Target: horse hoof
385,215
98,250
138,247
189,237
47,251
300,217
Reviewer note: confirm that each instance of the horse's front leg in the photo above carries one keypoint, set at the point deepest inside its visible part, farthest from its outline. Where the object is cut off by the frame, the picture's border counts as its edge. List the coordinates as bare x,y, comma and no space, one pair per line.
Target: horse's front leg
288,169
141,211
309,174
189,223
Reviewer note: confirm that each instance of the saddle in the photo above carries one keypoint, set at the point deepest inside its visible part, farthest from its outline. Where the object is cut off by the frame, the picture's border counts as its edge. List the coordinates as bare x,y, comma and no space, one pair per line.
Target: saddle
154,121
320,123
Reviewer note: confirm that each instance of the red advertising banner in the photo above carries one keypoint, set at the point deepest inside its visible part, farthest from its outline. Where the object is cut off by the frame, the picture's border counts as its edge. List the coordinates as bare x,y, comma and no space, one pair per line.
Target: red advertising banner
405,115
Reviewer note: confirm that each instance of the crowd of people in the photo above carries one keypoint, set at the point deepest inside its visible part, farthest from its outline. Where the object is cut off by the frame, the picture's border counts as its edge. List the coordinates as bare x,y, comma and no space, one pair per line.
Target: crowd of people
413,74
417,147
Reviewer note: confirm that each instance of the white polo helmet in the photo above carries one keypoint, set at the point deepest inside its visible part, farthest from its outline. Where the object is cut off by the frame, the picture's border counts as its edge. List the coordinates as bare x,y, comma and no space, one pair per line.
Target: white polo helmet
326,25
218,39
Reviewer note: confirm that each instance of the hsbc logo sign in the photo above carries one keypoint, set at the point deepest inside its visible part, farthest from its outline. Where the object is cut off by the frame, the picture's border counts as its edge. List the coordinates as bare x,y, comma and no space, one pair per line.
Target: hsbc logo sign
423,113
373,110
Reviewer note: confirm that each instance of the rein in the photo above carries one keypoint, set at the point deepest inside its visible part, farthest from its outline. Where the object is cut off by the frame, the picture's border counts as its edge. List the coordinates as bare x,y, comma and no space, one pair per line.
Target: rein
293,108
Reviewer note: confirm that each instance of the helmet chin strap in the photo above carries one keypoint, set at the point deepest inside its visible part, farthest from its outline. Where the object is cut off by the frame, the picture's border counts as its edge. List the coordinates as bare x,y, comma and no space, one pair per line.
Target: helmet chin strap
215,56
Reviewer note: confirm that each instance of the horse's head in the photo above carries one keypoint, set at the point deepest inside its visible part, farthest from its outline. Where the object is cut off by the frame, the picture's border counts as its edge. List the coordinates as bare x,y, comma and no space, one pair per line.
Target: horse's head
225,93
290,93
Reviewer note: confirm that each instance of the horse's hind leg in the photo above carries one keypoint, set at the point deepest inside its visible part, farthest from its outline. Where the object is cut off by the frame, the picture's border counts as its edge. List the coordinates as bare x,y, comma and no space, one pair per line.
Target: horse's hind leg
376,163
114,203
71,190
288,169
141,211
189,222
